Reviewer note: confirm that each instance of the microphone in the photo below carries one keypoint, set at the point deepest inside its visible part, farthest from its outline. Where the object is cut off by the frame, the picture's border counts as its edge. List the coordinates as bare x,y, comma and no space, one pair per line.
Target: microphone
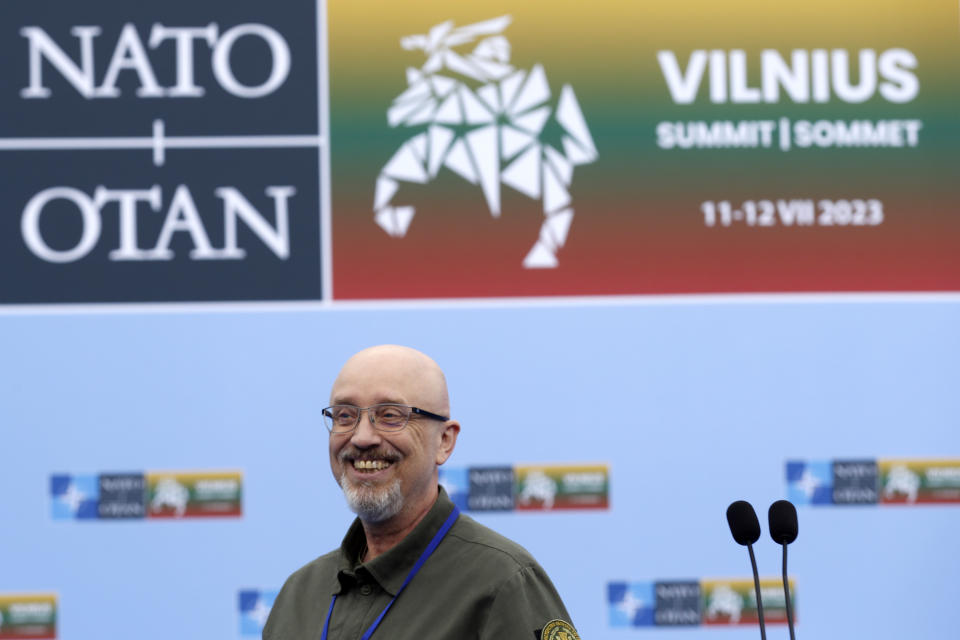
746,530
782,517
743,522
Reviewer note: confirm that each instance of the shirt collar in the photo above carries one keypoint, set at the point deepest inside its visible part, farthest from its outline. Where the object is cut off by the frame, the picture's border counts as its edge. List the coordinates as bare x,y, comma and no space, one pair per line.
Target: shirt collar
389,569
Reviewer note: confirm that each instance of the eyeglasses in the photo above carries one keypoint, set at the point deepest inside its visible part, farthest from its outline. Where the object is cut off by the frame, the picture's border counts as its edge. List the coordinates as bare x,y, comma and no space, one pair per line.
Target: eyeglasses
344,418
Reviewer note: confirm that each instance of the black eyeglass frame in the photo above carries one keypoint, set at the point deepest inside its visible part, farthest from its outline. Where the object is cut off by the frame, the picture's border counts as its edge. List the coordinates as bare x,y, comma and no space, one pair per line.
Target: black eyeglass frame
413,410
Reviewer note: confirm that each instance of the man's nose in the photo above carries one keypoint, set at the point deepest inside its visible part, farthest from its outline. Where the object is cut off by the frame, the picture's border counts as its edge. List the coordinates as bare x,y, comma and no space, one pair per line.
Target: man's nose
365,435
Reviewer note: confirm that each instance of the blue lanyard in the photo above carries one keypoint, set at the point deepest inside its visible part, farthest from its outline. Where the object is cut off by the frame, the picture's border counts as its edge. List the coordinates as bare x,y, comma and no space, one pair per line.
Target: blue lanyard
416,567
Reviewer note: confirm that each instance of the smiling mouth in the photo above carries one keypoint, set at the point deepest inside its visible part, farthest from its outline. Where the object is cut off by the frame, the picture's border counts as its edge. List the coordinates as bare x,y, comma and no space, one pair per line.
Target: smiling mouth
371,465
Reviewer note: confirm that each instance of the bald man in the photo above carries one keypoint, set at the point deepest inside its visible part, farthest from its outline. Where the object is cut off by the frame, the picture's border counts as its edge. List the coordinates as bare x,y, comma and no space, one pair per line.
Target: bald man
411,566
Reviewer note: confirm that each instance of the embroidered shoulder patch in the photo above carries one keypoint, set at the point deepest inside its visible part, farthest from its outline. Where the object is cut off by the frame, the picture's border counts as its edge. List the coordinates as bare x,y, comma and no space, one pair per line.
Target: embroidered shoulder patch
558,630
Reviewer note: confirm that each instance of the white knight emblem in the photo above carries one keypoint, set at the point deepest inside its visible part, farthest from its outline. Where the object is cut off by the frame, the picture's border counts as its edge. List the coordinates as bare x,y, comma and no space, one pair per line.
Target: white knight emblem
482,119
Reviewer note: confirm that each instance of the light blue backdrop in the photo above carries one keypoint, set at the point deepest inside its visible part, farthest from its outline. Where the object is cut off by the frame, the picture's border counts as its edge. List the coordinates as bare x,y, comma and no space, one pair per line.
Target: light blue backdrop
692,405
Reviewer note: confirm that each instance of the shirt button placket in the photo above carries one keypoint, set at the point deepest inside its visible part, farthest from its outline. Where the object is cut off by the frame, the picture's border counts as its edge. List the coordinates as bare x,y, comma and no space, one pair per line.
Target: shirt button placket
365,590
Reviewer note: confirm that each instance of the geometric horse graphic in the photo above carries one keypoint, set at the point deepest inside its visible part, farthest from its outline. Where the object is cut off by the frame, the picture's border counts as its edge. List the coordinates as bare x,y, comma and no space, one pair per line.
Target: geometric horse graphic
481,118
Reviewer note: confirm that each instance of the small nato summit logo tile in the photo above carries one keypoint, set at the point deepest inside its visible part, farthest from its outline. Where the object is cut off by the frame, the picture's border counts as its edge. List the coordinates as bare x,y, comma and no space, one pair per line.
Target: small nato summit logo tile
528,487
254,607
689,603
150,495
810,482
631,604
74,497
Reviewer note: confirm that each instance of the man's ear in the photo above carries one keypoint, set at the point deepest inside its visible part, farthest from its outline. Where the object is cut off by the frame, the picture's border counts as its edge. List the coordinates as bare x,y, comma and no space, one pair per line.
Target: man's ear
448,440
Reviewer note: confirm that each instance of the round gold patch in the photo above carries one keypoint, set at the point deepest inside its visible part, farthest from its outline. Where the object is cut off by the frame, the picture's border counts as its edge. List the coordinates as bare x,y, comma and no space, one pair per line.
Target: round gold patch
558,630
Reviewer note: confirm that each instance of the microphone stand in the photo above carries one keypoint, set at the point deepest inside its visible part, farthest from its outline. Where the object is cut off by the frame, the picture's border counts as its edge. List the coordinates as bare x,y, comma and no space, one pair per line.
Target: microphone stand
786,592
756,586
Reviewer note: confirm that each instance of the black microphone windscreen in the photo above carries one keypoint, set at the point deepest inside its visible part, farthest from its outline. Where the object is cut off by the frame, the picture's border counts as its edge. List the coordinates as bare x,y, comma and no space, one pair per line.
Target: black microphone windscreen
743,522
783,522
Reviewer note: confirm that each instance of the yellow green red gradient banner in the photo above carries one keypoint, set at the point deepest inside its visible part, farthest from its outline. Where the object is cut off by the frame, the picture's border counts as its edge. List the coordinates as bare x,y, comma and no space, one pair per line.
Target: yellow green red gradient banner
28,616
737,147
734,601
178,494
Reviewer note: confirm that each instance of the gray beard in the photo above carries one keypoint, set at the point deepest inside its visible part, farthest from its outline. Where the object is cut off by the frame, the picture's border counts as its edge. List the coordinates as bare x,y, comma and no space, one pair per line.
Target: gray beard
372,504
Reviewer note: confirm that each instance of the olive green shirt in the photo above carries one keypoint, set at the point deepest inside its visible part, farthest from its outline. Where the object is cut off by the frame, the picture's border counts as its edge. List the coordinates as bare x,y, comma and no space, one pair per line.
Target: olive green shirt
477,584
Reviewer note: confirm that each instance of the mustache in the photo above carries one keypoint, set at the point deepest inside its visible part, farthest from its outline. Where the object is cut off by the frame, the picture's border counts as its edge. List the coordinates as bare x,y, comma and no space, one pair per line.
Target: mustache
380,453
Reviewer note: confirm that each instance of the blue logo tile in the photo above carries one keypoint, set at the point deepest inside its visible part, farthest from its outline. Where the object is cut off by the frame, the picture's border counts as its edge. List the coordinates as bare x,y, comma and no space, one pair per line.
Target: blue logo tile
254,607
456,481
810,482
74,497
631,604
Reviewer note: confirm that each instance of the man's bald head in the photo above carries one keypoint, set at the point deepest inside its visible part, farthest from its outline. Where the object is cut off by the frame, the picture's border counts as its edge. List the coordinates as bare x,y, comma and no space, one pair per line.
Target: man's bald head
390,476
392,373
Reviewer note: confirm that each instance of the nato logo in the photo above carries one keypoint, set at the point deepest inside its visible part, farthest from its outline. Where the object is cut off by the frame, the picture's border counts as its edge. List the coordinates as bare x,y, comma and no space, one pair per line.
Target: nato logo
810,482
631,604
74,497
122,495
456,482
855,482
255,606
678,602
491,489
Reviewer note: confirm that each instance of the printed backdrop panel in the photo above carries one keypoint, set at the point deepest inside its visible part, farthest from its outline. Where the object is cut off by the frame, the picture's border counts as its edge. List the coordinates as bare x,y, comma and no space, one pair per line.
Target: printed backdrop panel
504,149
165,472
159,153
165,462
